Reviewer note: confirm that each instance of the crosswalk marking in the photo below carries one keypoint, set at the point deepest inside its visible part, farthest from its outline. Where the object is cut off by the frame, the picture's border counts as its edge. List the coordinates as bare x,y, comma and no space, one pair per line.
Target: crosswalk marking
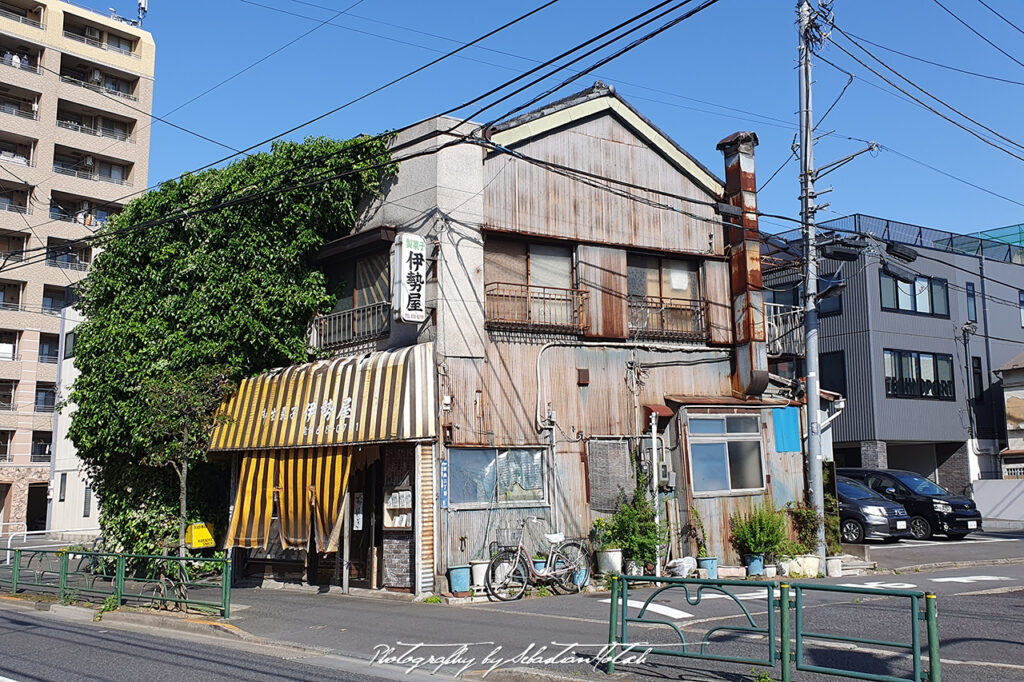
878,585
970,579
674,614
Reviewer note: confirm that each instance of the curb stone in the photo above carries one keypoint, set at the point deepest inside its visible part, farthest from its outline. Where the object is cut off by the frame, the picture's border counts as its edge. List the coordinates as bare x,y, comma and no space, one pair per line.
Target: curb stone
951,564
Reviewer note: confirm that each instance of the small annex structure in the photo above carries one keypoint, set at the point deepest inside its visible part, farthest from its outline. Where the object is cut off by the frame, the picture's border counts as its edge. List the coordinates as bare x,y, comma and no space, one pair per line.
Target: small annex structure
590,288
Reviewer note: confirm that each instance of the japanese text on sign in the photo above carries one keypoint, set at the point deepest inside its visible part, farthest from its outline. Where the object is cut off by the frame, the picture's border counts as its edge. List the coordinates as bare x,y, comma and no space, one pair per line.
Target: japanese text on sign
410,277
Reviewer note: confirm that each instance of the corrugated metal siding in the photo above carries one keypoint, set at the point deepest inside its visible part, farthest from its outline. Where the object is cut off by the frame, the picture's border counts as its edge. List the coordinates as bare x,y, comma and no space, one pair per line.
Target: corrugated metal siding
602,271
522,197
719,297
504,260
427,515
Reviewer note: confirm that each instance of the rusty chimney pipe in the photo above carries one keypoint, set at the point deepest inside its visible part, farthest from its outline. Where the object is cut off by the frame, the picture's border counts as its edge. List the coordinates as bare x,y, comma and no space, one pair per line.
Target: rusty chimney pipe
751,375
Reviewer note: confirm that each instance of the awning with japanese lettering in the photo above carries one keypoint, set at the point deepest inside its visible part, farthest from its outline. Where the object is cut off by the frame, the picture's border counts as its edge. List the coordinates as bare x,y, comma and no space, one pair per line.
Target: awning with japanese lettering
372,398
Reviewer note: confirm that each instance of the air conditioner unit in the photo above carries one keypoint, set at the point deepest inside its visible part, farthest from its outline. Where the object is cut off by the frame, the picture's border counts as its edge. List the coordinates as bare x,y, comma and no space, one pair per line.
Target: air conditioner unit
87,161
97,76
93,33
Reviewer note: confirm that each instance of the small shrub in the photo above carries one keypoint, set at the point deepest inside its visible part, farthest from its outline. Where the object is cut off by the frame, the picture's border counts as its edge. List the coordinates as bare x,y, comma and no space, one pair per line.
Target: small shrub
603,535
543,591
635,529
69,598
761,675
760,531
433,599
697,532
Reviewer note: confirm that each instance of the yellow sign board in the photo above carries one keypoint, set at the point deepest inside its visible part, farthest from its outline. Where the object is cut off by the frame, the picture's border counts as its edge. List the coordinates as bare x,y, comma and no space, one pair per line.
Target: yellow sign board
199,535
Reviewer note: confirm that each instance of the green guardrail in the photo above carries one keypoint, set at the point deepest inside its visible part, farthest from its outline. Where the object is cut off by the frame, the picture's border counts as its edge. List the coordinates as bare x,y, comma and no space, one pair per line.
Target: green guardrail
786,643
163,581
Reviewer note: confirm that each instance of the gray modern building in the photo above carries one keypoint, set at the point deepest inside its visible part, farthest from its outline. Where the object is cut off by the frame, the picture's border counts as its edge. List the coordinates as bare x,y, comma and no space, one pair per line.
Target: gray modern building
913,345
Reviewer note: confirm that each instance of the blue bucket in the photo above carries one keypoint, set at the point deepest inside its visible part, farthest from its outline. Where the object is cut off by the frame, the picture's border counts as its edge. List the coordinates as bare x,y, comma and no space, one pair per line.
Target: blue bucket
710,564
458,578
755,564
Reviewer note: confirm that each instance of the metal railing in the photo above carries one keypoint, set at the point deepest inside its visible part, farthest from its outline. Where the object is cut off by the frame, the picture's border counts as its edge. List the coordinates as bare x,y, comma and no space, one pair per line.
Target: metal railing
785,329
17,17
64,169
23,64
68,265
14,208
11,305
20,160
789,634
525,306
8,108
12,256
49,358
41,456
667,318
10,357
8,405
26,533
100,44
199,583
103,90
348,326
97,132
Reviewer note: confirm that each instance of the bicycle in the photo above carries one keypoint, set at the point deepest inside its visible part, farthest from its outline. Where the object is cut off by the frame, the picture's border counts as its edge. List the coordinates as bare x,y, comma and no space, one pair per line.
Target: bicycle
567,567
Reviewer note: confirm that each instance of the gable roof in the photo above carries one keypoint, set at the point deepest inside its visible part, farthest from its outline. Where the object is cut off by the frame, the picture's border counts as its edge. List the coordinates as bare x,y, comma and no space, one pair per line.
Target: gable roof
602,98
1015,363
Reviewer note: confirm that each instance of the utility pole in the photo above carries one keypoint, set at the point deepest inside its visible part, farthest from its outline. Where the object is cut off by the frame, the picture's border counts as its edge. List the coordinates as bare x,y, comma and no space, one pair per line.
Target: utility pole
807,210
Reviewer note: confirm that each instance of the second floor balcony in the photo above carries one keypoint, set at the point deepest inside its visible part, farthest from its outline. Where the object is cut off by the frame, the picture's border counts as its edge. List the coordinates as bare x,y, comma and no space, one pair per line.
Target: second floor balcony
531,307
346,327
784,326
661,317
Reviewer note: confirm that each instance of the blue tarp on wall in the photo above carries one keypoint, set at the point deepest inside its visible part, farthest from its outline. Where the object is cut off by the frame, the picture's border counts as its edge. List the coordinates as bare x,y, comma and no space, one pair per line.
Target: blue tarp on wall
787,429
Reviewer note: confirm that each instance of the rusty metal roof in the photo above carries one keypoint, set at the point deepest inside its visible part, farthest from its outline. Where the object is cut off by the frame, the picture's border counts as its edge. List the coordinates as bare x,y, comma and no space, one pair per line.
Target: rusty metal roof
727,401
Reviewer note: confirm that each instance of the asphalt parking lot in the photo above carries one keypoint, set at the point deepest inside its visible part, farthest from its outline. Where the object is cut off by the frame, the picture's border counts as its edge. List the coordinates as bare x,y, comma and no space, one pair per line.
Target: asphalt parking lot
986,546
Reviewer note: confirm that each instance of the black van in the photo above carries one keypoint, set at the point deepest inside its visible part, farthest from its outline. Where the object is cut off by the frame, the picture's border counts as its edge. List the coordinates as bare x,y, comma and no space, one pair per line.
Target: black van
932,508
864,514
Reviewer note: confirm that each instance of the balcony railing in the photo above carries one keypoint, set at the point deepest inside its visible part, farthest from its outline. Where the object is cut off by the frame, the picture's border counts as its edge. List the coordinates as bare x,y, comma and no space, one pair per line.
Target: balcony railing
64,169
11,157
98,132
784,325
22,64
96,87
522,306
100,44
12,256
45,407
349,326
40,452
78,265
13,208
9,356
17,17
49,358
668,318
7,404
11,305
8,108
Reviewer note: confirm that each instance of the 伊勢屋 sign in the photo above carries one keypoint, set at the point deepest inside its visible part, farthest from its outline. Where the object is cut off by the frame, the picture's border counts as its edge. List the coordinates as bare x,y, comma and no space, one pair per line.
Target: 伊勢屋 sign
409,266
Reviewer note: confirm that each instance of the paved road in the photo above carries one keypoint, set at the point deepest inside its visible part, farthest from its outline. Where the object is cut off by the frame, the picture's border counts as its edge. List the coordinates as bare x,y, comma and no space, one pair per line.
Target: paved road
973,547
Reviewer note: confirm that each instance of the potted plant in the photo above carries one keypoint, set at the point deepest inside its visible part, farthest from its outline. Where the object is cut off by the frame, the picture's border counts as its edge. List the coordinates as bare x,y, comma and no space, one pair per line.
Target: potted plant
756,533
705,559
806,523
636,530
609,555
539,562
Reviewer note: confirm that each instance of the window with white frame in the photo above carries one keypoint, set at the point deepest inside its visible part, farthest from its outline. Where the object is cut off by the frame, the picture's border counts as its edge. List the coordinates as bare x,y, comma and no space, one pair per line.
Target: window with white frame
480,476
726,453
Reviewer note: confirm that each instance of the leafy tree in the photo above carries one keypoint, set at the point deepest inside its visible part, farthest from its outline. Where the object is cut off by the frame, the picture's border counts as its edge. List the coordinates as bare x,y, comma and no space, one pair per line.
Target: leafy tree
191,307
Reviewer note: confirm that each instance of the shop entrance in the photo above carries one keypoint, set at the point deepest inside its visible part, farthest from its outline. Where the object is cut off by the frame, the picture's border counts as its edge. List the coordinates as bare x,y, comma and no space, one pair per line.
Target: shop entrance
35,512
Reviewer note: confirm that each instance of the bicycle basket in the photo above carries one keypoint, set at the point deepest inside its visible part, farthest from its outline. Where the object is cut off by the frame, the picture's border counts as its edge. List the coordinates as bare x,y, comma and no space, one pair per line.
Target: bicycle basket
508,537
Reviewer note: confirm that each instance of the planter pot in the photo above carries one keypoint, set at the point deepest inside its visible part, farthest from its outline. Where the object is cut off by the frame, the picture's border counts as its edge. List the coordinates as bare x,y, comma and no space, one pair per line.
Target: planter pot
458,579
770,570
709,564
807,565
609,561
539,564
478,569
834,567
754,564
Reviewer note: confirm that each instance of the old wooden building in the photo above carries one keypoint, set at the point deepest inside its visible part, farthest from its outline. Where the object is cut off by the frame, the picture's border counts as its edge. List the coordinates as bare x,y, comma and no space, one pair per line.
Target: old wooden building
586,280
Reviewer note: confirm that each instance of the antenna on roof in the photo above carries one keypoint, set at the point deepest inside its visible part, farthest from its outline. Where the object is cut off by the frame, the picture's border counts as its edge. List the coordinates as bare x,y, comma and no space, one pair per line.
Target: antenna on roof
143,8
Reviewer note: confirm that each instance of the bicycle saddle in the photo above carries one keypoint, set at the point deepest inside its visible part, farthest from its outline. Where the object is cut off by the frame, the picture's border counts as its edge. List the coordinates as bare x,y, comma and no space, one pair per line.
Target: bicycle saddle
554,538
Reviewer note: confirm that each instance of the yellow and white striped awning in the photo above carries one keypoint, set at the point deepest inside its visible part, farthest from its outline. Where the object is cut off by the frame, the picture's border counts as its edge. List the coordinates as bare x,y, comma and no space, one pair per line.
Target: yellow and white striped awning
377,397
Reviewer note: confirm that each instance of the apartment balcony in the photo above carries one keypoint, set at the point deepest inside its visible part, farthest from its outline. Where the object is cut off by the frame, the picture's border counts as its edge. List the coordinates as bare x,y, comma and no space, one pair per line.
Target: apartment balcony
20,64
40,453
344,328
659,317
71,35
535,308
66,263
28,21
96,87
97,132
48,359
14,208
784,325
84,174
8,108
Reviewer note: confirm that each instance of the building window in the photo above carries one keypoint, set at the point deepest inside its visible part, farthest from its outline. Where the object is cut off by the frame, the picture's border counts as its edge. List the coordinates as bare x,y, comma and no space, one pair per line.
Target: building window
910,374
978,378
531,285
53,299
972,305
925,296
49,348
69,345
46,397
726,454
832,367
664,297
6,439
9,344
833,305
479,477
8,389
42,441
87,506
63,487
1020,302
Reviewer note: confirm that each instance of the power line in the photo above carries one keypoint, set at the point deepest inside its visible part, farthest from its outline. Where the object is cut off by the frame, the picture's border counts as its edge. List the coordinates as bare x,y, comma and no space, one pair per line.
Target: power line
990,9
950,175
976,32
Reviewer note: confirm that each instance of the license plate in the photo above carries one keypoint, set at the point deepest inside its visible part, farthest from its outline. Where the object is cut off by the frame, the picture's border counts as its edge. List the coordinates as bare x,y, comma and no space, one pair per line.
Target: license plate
972,524
901,525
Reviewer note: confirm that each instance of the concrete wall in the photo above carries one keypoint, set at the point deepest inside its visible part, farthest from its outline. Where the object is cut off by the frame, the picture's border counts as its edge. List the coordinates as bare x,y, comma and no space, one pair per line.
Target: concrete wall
1000,499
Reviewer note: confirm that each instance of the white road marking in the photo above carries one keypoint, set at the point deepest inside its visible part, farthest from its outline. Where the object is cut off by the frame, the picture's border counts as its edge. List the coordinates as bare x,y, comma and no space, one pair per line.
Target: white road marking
756,594
909,543
970,579
876,585
674,614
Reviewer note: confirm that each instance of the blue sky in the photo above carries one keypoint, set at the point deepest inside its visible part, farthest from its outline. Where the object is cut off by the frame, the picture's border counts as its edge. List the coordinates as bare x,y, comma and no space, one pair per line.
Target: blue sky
730,68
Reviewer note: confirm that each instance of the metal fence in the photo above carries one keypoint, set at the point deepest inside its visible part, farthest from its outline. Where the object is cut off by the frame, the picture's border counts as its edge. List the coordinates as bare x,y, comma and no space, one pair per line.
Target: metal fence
784,631
667,318
525,306
340,329
161,581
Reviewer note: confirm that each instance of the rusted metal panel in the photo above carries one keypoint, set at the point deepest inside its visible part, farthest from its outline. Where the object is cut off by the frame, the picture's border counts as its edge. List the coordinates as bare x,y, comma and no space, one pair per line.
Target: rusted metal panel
716,283
525,198
504,259
602,271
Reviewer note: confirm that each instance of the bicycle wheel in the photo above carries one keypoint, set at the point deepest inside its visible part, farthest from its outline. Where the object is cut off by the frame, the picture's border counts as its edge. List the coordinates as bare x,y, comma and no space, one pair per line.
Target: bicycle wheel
572,561
507,576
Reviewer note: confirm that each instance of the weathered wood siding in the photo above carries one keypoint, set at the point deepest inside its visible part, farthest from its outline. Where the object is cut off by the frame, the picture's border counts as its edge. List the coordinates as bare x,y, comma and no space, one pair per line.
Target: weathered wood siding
525,198
602,272
719,298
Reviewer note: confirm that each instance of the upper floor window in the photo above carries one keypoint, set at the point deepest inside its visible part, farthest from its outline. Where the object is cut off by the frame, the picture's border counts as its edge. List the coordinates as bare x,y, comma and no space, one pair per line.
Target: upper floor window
925,296
978,380
363,310
972,305
911,374
531,285
1020,302
665,297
